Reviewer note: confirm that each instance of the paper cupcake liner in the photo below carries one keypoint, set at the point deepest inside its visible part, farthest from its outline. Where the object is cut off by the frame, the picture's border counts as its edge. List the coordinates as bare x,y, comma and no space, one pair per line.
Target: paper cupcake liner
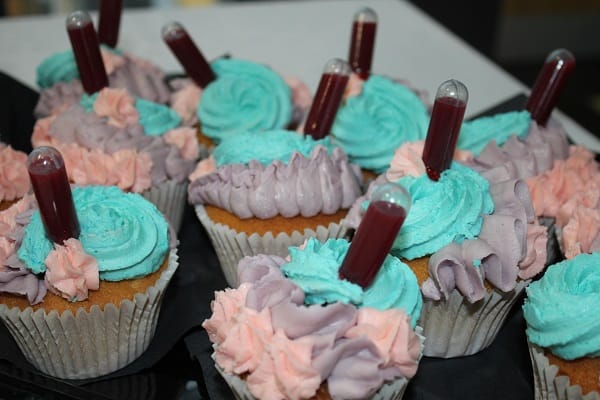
91,343
231,246
455,327
551,386
389,391
170,198
393,390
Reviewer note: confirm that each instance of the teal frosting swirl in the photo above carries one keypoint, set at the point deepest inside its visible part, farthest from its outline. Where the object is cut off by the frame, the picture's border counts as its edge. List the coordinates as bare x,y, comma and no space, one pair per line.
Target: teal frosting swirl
245,96
156,119
449,210
561,309
315,270
126,234
266,147
59,67
476,134
371,126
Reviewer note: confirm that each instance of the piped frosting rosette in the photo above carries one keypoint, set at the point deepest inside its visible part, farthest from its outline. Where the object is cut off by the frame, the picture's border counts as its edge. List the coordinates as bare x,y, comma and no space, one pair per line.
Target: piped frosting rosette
114,139
14,181
483,230
245,96
355,350
58,77
561,314
123,237
376,119
261,175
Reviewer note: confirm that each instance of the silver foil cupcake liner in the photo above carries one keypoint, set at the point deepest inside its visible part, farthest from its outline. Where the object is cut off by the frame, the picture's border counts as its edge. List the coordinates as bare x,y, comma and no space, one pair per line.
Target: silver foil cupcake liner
551,386
170,198
454,327
90,343
393,390
231,246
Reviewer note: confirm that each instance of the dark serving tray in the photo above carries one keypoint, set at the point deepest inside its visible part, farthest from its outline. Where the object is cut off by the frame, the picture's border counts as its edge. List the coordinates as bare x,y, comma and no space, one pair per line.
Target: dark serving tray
178,365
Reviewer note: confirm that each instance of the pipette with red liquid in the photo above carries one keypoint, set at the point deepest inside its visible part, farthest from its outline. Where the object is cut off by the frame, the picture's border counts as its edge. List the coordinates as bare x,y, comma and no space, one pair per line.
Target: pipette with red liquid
376,233
48,176
189,55
86,49
109,21
446,119
362,42
328,98
549,84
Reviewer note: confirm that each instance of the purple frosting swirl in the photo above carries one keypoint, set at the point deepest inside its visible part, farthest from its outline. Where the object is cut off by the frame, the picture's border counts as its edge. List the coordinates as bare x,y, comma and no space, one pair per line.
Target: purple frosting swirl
305,186
93,132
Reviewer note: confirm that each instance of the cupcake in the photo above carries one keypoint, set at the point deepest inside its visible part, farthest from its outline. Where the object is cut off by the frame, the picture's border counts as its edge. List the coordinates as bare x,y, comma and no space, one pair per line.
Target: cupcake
230,95
14,182
472,240
378,113
58,75
306,333
112,138
562,324
88,306
265,191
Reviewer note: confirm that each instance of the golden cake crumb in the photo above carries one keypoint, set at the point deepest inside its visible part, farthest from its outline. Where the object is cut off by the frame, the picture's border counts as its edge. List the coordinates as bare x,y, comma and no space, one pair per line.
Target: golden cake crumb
275,225
109,292
584,372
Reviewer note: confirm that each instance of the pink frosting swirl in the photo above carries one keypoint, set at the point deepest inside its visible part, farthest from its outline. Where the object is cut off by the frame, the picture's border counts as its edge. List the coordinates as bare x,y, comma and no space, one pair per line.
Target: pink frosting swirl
14,179
71,272
14,277
224,307
248,338
118,105
285,370
185,140
185,99
390,330
305,186
408,160
570,192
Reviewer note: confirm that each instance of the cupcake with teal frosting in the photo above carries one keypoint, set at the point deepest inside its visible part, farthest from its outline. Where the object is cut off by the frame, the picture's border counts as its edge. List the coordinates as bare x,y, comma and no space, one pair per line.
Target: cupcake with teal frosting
60,84
342,340
113,138
561,311
265,191
98,295
245,96
472,240
377,116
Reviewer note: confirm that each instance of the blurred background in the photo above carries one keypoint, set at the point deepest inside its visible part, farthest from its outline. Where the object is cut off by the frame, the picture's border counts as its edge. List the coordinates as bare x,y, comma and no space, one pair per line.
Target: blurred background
516,34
